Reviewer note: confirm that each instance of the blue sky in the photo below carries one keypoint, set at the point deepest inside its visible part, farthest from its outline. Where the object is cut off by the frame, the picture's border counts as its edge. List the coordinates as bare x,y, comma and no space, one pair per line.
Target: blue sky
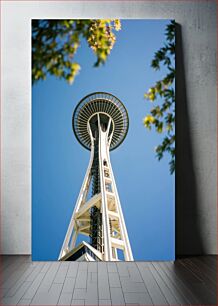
59,162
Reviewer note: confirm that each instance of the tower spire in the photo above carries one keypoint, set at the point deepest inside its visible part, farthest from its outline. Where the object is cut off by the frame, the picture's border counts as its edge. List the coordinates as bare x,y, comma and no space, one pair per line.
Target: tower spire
100,124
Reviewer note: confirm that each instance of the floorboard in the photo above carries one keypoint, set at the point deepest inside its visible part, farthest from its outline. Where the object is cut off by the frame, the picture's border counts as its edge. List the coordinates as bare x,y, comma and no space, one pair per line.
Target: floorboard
187,281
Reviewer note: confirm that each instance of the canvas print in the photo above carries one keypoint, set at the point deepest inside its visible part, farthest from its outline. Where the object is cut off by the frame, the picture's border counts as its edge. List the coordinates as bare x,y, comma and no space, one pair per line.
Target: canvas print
103,139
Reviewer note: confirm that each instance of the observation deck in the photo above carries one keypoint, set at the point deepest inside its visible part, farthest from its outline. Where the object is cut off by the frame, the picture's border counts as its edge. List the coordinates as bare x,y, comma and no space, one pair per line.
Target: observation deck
108,106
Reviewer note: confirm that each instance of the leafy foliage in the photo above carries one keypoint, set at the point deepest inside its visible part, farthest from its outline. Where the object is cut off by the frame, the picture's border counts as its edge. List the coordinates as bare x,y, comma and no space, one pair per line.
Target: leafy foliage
162,115
55,42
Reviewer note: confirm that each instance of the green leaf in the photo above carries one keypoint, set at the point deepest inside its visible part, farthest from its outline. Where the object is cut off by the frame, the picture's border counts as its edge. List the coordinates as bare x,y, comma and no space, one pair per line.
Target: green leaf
55,42
159,127
164,96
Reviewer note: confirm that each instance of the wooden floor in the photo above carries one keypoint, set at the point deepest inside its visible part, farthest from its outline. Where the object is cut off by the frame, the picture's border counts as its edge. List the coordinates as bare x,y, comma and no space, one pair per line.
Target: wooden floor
188,281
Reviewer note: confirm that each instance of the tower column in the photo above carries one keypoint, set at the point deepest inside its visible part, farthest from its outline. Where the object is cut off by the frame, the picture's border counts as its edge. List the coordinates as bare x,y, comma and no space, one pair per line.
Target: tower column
103,143
127,249
81,198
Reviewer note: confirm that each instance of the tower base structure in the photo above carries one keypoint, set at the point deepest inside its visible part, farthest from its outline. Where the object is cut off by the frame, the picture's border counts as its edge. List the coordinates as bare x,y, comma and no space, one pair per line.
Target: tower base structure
83,252
100,123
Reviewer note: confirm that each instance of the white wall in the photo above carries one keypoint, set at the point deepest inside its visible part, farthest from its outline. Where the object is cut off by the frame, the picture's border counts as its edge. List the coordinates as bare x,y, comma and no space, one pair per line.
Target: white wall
198,26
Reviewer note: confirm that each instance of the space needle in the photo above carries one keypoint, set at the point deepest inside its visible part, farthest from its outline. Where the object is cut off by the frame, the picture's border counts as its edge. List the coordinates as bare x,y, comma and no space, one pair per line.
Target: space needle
100,124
